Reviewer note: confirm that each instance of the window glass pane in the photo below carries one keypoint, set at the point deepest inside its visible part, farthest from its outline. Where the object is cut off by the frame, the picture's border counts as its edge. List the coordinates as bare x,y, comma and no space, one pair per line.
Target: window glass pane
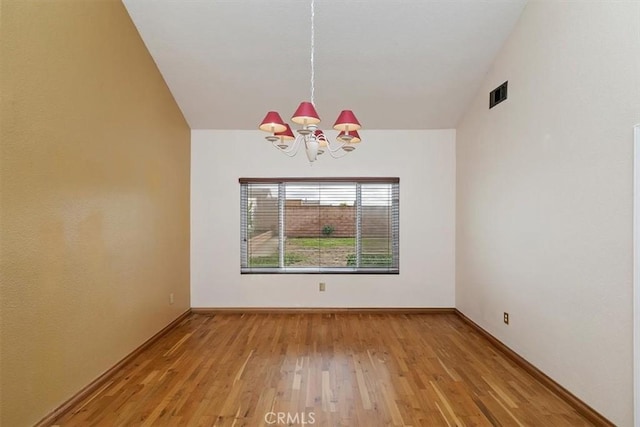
262,225
319,224
376,222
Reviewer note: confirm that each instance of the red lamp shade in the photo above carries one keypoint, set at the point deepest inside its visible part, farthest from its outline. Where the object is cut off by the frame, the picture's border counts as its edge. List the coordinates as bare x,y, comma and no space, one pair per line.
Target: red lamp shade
346,121
306,114
355,137
287,135
321,138
272,122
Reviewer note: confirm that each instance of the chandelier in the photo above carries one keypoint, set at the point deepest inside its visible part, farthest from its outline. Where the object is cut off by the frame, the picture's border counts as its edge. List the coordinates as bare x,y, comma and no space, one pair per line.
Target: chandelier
310,135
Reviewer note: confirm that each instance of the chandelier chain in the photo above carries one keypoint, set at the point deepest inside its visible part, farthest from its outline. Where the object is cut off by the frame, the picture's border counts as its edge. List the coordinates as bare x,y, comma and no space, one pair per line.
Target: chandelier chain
313,48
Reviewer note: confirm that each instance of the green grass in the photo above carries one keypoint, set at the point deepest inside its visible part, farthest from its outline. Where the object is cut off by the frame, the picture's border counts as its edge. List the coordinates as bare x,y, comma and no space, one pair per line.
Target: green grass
272,260
300,252
370,243
370,260
322,242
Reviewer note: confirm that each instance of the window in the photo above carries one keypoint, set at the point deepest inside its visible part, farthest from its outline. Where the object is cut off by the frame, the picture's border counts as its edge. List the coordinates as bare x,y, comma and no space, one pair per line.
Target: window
319,225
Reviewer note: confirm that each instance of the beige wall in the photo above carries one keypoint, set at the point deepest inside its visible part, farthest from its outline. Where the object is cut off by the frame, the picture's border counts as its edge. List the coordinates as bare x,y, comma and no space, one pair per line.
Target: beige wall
94,200
544,197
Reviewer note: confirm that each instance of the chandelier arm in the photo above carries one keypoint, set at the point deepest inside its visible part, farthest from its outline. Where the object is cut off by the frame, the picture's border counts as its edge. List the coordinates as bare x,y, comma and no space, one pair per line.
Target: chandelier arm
333,154
293,148
334,150
288,152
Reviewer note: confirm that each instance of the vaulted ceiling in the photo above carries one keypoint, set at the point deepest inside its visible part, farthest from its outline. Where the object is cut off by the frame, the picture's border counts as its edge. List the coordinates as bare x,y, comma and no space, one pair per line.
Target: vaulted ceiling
398,64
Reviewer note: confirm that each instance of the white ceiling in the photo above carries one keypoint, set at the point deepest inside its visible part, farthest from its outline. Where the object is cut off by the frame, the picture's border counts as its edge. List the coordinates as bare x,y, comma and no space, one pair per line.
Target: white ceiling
397,64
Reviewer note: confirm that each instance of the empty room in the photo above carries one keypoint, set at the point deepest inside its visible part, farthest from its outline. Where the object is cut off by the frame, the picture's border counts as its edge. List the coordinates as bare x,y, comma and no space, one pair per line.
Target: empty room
319,212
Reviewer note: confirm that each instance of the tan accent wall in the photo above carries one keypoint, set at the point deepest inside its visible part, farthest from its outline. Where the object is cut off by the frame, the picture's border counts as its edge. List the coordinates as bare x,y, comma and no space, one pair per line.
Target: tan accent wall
94,176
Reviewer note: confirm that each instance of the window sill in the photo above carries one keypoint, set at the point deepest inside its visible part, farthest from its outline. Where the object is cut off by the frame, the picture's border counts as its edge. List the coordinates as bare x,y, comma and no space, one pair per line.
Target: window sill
325,270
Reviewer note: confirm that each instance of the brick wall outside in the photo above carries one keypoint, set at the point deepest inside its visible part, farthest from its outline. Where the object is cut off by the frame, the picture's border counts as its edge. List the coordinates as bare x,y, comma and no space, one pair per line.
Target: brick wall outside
308,220
303,220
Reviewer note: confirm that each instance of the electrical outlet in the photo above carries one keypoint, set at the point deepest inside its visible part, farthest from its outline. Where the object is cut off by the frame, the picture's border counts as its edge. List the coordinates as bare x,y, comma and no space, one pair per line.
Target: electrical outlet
171,298
505,318
323,286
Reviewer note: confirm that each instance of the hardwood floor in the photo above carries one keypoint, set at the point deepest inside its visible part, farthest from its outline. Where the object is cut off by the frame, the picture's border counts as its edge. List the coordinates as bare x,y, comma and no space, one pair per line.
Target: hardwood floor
342,369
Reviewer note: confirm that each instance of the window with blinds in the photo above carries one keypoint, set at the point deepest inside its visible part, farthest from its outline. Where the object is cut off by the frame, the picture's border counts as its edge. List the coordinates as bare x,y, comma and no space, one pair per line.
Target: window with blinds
319,225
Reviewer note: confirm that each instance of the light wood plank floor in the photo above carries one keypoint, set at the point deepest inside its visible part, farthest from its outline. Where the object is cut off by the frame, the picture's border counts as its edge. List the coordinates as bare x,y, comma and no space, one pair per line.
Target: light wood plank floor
325,370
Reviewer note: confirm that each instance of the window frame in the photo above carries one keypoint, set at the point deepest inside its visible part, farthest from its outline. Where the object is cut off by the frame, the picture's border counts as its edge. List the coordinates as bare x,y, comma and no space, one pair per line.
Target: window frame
394,220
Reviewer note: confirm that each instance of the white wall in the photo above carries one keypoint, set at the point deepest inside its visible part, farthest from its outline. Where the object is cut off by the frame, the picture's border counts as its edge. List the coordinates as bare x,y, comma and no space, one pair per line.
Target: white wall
424,161
544,198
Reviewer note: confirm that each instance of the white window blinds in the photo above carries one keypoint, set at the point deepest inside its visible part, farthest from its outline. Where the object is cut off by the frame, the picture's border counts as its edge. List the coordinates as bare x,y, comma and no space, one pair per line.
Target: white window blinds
320,225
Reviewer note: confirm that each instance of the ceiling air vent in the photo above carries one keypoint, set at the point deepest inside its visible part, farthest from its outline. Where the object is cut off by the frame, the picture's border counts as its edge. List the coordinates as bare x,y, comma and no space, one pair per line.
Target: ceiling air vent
498,95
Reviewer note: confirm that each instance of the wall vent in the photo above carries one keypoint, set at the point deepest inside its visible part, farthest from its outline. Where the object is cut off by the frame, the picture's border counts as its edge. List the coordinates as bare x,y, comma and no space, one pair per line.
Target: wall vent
498,95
